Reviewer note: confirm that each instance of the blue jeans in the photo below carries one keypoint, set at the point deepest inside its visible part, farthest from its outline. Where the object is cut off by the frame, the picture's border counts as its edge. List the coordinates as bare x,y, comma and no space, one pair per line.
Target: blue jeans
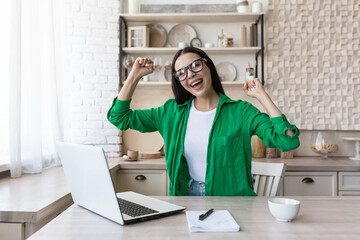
196,188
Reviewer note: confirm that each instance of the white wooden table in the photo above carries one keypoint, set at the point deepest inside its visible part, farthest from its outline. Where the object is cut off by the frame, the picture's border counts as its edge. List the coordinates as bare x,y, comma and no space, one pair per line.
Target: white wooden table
319,218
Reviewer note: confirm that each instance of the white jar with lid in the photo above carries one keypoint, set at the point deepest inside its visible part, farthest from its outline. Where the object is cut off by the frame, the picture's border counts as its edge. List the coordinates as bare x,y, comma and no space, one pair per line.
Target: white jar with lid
242,6
134,6
256,7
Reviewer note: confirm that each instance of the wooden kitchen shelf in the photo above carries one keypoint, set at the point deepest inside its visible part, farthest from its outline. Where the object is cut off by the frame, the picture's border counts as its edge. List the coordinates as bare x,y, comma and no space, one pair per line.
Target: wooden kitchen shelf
128,20
229,50
157,84
192,17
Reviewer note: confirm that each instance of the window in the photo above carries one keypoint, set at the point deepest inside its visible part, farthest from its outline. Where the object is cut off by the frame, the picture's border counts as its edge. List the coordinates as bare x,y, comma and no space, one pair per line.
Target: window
4,76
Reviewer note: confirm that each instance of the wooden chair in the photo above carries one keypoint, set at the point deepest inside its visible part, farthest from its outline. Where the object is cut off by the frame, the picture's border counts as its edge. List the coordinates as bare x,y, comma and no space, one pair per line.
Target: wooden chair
267,178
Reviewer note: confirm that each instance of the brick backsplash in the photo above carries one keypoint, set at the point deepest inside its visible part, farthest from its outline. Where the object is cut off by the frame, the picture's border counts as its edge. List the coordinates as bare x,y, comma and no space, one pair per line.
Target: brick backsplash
93,48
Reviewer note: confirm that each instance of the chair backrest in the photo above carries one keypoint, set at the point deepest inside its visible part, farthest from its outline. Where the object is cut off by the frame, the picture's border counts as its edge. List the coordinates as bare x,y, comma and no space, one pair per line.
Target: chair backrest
267,178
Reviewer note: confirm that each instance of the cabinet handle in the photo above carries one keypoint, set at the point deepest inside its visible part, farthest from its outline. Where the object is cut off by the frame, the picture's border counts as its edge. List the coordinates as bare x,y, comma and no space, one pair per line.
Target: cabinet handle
140,177
307,180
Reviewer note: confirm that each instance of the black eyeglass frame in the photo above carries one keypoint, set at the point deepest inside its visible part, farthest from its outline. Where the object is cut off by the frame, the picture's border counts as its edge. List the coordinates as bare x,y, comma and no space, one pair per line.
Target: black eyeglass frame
188,67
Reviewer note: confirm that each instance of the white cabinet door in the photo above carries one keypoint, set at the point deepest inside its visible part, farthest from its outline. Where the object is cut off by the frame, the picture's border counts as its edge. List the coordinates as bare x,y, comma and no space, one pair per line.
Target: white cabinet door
147,182
349,184
310,184
349,181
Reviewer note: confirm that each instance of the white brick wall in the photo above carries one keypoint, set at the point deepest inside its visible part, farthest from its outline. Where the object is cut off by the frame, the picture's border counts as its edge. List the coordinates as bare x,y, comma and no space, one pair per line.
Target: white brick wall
93,49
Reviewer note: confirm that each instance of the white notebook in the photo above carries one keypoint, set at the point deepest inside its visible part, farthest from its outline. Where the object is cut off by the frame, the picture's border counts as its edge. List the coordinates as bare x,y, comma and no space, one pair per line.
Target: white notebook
218,221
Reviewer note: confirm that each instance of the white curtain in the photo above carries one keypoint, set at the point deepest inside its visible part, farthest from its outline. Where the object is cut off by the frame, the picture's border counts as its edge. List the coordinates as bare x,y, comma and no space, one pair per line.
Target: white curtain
32,110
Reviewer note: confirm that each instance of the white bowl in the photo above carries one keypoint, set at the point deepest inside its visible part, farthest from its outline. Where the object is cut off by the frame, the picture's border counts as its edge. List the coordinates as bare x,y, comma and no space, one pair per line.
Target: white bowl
284,209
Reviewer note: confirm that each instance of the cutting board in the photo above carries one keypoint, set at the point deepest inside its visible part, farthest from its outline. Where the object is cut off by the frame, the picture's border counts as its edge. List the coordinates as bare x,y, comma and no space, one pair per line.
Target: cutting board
148,144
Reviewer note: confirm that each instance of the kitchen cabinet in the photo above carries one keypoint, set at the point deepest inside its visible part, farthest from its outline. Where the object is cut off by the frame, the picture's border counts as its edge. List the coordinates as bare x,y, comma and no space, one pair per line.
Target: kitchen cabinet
210,20
310,184
147,182
349,183
12,231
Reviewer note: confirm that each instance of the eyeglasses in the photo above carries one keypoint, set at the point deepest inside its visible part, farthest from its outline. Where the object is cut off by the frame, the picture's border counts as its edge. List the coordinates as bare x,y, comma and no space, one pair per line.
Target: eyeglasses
196,66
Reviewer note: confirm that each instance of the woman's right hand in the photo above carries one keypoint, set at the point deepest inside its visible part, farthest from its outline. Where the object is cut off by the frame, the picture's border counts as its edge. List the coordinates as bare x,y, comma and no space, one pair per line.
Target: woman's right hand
141,68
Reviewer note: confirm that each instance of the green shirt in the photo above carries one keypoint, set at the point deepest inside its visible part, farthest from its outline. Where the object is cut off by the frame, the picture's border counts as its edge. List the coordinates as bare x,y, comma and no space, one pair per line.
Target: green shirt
228,170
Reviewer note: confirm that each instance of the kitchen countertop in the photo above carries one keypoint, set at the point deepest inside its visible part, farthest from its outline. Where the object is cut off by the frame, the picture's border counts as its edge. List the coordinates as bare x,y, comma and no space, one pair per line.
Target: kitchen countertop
330,218
294,164
31,197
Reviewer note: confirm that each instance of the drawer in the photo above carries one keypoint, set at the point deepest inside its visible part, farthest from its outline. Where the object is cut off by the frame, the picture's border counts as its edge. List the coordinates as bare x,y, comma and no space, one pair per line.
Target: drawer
349,181
147,182
349,193
310,184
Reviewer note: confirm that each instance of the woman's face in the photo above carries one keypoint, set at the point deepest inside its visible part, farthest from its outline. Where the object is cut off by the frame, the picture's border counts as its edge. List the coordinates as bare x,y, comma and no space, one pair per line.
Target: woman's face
198,84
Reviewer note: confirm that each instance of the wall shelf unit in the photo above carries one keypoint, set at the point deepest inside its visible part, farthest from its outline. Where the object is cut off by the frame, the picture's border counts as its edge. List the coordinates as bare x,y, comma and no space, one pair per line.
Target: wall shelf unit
155,84
207,18
232,50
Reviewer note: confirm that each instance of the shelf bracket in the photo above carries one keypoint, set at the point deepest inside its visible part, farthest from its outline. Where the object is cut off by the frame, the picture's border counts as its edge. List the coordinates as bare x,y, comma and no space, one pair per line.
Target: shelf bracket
261,51
121,53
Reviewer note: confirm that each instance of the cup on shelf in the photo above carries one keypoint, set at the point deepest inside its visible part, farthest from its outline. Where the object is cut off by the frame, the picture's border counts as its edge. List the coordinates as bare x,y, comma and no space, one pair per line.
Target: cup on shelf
182,44
209,45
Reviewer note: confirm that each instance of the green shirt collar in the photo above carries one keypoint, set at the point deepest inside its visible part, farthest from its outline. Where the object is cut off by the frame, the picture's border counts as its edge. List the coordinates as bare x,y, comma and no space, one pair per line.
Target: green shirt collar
223,99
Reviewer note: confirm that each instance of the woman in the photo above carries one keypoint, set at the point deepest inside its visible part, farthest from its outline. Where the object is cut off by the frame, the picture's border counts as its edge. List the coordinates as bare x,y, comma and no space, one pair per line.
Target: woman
207,135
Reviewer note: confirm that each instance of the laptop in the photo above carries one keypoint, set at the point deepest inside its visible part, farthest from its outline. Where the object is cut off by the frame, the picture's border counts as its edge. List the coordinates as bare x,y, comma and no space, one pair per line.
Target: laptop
88,176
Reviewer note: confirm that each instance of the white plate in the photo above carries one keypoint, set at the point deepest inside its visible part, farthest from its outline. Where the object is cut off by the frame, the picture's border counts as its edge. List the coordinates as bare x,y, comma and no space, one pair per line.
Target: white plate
226,71
181,33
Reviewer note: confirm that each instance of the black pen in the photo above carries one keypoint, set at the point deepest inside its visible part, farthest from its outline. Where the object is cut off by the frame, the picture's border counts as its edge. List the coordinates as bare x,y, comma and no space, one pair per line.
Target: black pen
205,215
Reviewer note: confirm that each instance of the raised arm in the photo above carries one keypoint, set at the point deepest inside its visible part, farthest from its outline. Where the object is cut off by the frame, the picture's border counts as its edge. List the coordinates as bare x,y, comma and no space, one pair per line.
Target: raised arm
253,88
141,67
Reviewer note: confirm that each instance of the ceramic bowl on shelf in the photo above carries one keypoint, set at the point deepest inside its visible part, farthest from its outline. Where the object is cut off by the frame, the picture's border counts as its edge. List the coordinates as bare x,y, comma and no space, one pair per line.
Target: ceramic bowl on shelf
284,209
323,143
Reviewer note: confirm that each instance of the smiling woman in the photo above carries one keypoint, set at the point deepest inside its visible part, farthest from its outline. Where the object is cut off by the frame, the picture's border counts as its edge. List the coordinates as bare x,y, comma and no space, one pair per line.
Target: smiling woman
207,135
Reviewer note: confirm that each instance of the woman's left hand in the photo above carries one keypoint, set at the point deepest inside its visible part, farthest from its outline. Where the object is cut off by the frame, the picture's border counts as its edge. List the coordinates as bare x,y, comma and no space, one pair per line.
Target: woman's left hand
253,88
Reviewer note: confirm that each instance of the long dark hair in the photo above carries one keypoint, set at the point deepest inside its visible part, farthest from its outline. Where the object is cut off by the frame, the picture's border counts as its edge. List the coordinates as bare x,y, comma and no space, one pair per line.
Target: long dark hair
181,95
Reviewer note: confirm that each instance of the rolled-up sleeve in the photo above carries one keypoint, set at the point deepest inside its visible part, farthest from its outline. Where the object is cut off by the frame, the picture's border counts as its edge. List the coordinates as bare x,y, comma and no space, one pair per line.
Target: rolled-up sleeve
273,130
122,117
281,125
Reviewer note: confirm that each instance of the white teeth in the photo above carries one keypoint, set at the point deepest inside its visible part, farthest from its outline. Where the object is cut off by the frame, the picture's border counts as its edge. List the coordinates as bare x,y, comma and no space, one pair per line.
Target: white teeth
195,83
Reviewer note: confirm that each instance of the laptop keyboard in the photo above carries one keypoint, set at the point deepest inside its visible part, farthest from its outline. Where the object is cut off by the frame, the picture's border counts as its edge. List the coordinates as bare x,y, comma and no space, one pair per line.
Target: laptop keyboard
133,209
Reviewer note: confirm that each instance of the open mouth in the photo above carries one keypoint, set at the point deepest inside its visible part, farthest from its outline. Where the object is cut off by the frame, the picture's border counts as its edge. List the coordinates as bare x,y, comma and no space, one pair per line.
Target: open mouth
196,83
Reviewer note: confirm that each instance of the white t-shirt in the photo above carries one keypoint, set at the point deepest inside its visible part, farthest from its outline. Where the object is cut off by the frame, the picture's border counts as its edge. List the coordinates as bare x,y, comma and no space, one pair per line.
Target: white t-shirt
196,141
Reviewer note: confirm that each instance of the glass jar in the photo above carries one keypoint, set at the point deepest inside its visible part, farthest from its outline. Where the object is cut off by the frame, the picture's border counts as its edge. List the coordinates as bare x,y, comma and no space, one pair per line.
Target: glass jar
249,73
228,40
323,142
220,39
